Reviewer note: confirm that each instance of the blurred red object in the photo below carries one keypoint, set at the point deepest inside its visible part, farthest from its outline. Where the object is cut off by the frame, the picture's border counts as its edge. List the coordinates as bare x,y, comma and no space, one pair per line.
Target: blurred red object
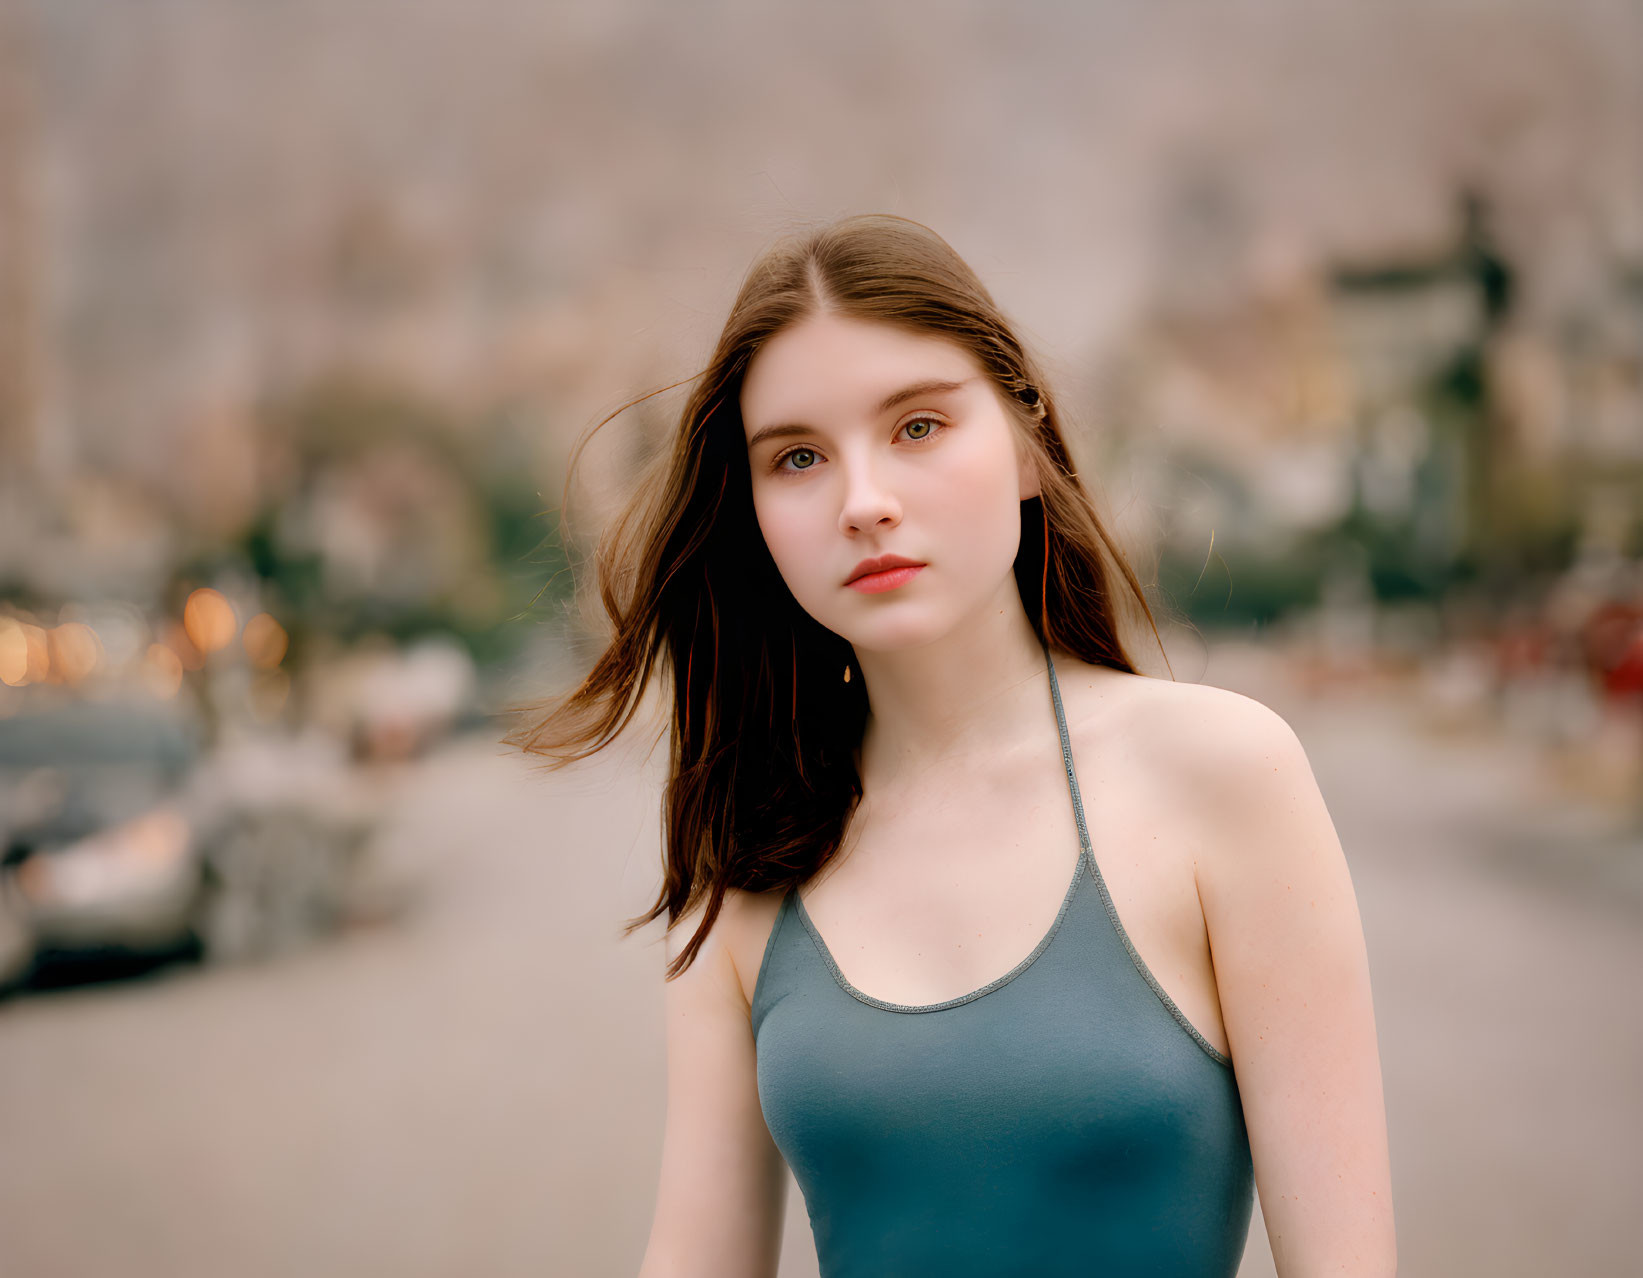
1612,638
1625,677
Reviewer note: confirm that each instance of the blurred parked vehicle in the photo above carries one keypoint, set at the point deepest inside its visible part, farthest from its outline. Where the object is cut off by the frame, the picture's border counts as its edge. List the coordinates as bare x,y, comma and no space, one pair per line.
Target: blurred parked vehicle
123,838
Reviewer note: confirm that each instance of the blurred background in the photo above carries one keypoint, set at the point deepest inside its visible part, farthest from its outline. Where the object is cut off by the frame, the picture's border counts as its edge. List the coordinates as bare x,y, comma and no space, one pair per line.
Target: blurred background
302,309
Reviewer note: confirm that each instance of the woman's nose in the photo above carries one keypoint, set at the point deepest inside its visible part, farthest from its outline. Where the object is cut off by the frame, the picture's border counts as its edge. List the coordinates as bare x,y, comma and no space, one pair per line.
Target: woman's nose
867,501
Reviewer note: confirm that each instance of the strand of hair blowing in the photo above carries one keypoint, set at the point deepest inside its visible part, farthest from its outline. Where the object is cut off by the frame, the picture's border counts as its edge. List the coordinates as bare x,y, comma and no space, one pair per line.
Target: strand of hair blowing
762,776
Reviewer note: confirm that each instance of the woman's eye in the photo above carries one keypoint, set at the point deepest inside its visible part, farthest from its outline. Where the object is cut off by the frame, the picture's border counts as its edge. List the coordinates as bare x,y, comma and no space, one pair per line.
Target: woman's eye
779,463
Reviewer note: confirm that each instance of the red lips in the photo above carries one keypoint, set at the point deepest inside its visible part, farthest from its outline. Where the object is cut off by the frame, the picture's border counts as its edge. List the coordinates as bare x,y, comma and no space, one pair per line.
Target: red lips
881,564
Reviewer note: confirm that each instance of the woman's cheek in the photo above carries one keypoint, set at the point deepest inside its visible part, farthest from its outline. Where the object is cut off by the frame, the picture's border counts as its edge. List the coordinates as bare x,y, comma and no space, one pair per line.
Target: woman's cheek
980,521
795,551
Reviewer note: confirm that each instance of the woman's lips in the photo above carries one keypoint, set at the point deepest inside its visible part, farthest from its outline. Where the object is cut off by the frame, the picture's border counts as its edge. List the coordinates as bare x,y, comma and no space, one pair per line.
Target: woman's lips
876,582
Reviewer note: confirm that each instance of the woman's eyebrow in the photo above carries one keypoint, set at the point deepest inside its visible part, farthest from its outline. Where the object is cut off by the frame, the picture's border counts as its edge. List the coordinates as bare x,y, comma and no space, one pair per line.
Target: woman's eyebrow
930,386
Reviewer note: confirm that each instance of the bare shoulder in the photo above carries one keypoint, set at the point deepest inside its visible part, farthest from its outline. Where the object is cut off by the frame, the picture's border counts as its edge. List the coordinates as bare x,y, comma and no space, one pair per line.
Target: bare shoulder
1214,733
1197,732
738,939
1233,780
1221,744
1209,763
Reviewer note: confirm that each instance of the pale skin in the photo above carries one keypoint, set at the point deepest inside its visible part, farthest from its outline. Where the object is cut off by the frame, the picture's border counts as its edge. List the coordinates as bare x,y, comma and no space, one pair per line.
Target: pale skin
1205,818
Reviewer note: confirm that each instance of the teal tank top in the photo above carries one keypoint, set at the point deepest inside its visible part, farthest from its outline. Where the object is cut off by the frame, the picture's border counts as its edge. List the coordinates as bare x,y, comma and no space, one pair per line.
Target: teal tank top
1065,1118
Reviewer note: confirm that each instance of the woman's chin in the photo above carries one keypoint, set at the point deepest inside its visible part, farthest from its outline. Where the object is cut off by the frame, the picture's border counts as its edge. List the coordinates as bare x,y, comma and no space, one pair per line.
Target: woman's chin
892,634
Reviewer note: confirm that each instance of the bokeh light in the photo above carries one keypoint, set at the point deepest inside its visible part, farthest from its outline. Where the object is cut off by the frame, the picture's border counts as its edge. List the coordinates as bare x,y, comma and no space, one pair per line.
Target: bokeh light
209,620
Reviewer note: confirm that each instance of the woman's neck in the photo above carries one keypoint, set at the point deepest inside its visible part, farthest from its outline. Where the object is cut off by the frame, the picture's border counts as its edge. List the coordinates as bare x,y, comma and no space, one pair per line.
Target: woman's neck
961,697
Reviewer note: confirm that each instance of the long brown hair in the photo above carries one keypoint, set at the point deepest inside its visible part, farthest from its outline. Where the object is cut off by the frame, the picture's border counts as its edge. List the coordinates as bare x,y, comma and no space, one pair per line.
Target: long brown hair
762,777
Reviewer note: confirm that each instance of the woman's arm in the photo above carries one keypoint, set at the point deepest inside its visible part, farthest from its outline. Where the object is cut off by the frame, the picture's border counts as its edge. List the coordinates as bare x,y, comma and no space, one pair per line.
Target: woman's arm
1293,976
722,1189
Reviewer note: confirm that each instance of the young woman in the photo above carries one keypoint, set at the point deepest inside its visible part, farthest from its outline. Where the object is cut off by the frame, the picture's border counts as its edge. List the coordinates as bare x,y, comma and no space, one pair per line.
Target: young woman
1025,962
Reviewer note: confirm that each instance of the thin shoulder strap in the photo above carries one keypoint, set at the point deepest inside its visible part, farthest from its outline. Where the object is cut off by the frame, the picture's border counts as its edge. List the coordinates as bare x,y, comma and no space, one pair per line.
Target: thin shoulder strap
1067,750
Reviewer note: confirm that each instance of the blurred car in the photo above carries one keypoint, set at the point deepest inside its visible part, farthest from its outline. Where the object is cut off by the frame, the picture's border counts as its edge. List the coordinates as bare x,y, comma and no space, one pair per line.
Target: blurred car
123,837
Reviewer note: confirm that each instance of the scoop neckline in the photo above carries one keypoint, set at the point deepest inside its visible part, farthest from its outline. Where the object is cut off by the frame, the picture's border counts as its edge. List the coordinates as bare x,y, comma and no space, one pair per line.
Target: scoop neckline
1086,857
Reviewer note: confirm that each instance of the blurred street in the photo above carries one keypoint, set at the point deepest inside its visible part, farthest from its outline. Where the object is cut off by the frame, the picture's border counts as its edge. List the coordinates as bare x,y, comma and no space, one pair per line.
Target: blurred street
477,1088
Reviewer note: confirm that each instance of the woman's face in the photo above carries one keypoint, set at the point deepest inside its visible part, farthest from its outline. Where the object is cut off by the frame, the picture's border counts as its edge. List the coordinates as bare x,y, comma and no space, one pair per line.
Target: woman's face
864,440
